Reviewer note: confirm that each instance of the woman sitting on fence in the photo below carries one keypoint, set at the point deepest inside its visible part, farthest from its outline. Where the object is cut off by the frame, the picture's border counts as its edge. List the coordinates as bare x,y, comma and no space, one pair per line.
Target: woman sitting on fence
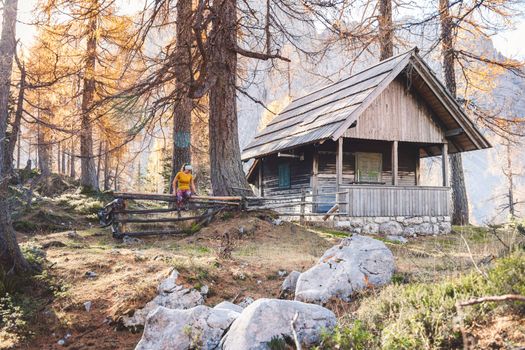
183,185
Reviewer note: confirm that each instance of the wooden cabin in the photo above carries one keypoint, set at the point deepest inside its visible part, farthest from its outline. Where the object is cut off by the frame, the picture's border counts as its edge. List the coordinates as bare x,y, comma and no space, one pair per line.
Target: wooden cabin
363,137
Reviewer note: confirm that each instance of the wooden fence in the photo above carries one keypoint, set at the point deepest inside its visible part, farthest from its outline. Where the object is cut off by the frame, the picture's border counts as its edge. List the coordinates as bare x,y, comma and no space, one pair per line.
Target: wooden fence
350,201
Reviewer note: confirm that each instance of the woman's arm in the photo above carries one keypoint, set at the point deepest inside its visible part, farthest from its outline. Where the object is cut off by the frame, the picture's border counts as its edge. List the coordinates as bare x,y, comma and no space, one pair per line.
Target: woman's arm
192,186
175,183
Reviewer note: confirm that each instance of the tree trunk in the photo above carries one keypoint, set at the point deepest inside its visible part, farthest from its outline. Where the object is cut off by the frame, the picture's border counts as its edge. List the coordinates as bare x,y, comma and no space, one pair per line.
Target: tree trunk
386,31
99,160
63,165
88,172
43,145
11,259
183,104
72,170
460,215
59,161
106,167
227,175
15,128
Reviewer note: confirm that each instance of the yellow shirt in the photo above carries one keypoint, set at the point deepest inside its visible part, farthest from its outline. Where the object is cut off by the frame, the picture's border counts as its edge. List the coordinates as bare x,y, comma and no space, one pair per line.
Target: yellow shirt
183,180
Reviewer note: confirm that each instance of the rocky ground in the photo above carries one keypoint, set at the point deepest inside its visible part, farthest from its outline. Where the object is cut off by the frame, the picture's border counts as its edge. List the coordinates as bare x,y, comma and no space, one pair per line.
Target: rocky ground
97,282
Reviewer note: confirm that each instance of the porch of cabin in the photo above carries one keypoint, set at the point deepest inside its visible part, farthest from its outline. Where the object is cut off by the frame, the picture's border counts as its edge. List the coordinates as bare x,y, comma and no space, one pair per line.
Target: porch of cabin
366,178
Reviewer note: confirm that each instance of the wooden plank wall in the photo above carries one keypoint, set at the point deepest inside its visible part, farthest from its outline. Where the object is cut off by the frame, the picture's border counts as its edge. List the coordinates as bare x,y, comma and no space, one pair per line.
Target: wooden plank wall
398,201
300,173
406,168
398,114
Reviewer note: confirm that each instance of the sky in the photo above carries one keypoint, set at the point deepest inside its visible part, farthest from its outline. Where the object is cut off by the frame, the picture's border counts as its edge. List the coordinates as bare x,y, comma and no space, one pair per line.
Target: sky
509,43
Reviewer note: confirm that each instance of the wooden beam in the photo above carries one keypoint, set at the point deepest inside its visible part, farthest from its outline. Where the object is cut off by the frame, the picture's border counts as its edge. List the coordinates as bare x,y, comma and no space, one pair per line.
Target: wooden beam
395,165
260,179
454,132
418,169
339,164
315,173
444,155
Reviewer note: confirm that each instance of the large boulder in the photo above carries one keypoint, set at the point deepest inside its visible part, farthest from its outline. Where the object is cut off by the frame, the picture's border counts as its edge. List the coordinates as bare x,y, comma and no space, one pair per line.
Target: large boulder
289,284
171,296
200,327
269,319
356,263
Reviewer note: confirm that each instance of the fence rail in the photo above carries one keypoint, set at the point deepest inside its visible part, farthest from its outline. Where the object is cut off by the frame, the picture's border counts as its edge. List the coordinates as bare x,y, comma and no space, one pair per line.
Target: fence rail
350,201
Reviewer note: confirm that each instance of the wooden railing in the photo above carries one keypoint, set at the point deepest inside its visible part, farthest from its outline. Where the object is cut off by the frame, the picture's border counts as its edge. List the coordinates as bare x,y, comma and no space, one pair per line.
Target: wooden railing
380,200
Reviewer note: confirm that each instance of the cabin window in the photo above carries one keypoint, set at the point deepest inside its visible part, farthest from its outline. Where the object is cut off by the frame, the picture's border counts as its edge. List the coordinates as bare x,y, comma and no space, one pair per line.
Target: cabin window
368,166
284,175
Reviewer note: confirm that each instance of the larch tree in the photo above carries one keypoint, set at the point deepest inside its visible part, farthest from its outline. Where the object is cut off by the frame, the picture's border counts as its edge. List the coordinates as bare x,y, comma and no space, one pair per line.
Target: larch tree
460,214
11,259
386,30
183,104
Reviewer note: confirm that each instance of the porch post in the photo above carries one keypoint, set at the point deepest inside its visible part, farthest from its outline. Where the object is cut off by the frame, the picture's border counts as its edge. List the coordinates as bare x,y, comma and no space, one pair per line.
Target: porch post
418,170
394,163
444,159
261,182
339,164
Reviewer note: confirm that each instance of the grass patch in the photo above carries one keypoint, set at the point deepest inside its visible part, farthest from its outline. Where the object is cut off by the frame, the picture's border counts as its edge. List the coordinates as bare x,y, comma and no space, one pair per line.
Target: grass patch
421,316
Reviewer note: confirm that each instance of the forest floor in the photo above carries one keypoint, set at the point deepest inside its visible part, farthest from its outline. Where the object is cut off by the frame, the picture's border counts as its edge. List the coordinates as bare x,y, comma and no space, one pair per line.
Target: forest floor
89,266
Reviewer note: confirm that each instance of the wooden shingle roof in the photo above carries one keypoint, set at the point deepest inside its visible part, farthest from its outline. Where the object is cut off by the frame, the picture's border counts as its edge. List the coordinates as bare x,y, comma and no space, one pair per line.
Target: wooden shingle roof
328,112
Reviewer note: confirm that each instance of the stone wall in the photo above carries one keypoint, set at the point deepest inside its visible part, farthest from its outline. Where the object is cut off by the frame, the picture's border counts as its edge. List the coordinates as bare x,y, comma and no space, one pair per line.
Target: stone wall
397,226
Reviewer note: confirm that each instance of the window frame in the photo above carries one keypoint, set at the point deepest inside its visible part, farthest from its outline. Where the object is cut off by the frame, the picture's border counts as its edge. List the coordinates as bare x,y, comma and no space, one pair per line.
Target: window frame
359,155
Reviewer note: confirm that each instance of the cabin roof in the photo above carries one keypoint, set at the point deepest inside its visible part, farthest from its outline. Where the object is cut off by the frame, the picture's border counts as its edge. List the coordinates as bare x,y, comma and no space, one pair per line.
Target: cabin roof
329,111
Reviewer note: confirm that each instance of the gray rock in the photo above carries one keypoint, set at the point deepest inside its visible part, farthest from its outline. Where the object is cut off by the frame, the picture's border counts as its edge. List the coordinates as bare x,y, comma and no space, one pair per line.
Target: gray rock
391,228
245,302
171,296
425,229
73,235
200,327
445,228
400,219
413,221
356,263
399,239
409,231
87,305
229,306
343,225
370,228
267,319
131,240
289,284
381,220
204,290
433,219
446,218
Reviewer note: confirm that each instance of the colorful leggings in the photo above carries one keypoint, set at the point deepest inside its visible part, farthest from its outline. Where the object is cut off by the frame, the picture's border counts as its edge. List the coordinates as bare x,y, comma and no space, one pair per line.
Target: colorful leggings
182,195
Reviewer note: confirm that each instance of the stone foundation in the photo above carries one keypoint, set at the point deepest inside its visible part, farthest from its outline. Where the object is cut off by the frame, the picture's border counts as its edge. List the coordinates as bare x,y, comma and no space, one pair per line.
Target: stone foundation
397,226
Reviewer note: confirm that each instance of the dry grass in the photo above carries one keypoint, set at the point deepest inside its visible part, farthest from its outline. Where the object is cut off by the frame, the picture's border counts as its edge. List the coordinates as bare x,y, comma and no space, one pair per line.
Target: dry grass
127,275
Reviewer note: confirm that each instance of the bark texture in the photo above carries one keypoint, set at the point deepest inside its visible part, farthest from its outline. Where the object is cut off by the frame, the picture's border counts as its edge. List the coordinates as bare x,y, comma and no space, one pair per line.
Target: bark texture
183,104
386,32
11,259
88,171
15,126
460,215
227,175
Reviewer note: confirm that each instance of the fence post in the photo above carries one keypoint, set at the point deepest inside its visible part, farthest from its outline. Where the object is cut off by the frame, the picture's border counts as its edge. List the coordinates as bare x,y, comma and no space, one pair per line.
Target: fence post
303,204
125,217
